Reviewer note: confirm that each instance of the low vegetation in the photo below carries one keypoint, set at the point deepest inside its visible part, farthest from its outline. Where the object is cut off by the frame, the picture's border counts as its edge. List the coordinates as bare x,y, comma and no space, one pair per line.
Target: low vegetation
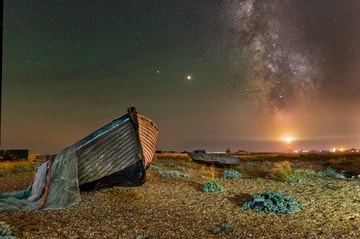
174,174
230,199
6,230
232,174
212,186
290,172
272,202
226,228
127,195
180,156
21,166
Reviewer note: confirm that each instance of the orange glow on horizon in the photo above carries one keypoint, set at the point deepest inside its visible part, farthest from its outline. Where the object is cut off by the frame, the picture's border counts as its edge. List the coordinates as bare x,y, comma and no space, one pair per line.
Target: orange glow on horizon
288,139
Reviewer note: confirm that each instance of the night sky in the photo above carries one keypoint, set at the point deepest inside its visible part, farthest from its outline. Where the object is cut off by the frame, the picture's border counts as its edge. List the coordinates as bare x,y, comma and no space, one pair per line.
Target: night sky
211,74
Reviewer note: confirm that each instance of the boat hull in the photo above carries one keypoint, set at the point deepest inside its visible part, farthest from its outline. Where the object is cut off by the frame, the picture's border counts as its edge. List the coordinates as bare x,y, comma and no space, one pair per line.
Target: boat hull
218,159
118,153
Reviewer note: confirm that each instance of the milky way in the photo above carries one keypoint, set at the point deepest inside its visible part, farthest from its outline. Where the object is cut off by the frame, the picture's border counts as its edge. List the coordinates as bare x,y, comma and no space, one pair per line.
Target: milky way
278,72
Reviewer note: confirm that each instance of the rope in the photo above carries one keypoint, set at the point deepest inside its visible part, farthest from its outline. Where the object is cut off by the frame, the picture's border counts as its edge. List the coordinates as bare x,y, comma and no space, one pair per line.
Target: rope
47,188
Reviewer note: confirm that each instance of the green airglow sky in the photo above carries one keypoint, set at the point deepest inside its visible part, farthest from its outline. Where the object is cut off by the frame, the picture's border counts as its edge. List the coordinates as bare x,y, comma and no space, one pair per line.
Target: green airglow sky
259,72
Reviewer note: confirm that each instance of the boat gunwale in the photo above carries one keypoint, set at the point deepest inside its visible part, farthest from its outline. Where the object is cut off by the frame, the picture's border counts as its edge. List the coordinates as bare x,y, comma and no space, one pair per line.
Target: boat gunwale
89,139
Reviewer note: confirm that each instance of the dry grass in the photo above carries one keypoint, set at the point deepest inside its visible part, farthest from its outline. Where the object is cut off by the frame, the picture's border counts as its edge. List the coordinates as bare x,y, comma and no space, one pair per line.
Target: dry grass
281,170
177,208
182,156
16,166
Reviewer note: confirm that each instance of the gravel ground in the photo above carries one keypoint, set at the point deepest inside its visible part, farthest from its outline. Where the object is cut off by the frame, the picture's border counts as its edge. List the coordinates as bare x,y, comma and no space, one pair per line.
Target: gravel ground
177,208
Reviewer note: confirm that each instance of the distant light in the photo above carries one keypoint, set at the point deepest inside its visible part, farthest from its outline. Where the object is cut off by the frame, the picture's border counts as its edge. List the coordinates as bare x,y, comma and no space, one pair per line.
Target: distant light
188,77
158,72
288,139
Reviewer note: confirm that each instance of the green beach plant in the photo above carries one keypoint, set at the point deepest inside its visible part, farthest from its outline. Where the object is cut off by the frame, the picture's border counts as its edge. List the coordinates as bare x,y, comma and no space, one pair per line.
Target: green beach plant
174,174
232,174
212,186
329,172
250,164
6,231
23,169
4,173
141,236
332,186
154,167
272,202
227,228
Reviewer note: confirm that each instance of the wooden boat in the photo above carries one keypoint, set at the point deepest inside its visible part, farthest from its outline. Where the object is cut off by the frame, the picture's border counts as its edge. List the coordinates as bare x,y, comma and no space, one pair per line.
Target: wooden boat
118,153
214,158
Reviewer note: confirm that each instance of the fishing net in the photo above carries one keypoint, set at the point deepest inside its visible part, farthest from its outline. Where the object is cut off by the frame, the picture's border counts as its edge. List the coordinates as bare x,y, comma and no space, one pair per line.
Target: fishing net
55,186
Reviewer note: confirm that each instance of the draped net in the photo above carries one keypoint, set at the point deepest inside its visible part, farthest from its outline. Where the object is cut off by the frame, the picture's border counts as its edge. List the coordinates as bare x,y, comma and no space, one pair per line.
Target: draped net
63,190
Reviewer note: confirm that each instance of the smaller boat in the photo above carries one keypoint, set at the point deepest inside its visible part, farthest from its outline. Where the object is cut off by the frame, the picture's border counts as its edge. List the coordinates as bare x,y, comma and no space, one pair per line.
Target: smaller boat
214,158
